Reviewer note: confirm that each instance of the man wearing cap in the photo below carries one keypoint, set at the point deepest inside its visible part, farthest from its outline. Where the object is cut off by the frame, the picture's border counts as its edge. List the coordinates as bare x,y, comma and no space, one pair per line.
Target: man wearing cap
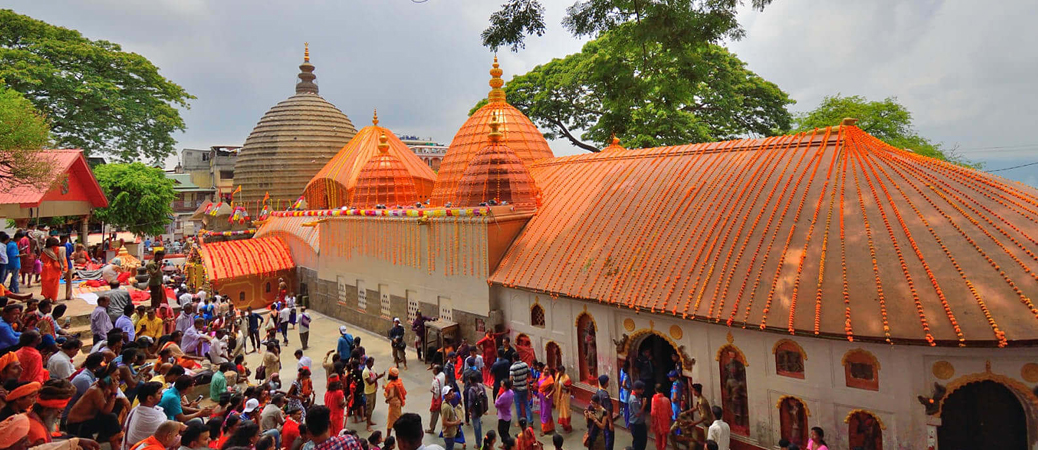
677,394
249,412
396,341
30,358
449,418
20,399
345,344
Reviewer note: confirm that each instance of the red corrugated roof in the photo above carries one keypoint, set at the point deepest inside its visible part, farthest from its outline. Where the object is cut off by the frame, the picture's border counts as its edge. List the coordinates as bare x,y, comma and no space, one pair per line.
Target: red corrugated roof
65,161
830,233
257,256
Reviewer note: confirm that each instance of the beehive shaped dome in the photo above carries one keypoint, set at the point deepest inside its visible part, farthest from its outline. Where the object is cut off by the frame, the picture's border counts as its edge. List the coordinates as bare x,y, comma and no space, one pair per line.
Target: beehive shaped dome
290,144
335,184
518,133
496,174
384,180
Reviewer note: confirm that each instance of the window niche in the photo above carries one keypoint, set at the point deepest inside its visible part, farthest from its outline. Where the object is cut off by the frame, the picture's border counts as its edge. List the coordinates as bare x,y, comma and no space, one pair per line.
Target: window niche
861,370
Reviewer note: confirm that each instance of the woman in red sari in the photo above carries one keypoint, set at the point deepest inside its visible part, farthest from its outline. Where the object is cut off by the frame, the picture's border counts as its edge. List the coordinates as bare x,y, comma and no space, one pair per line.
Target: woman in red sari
54,266
661,413
335,400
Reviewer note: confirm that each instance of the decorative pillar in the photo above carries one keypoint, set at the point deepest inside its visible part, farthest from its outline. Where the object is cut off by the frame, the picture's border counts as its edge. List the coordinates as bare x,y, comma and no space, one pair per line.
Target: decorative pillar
84,230
932,423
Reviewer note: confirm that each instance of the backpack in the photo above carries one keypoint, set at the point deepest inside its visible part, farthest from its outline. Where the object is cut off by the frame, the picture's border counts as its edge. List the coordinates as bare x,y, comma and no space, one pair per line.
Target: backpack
479,402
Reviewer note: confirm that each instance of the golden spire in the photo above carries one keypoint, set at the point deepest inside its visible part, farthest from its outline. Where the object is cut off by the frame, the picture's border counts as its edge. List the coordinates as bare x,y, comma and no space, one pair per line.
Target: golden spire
497,95
616,141
383,143
495,129
374,119
306,52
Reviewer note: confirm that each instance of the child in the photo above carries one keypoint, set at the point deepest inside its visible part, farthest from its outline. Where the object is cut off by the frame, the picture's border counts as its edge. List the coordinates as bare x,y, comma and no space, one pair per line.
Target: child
389,443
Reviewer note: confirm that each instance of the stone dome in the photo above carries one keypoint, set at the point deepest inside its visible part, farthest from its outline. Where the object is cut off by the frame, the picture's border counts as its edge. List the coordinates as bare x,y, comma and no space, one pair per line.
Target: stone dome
290,144
518,133
496,174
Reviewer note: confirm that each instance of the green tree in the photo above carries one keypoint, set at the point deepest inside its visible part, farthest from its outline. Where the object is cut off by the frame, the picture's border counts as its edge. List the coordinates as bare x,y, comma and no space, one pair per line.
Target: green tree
661,21
97,97
24,132
139,197
887,120
700,95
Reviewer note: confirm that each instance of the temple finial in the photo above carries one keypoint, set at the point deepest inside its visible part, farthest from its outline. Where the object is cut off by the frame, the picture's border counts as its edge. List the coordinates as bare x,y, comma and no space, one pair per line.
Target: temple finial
383,143
374,119
495,129
614,139
497,95
306,73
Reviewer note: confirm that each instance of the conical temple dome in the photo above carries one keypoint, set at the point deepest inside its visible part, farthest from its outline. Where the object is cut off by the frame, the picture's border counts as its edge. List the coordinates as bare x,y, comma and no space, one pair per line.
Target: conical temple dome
384,180
496,174
335,184
290,144
518,133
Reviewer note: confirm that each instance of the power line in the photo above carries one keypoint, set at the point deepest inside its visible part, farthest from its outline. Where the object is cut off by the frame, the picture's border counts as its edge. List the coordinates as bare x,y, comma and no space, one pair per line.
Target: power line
1014,167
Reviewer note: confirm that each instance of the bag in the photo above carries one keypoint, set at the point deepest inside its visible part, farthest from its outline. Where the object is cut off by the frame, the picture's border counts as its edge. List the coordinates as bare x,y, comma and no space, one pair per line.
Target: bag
584,442
437,401
261,372
479,402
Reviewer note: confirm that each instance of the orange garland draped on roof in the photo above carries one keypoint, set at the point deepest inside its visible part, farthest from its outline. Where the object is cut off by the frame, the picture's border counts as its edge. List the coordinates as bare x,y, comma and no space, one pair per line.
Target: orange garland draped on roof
257,256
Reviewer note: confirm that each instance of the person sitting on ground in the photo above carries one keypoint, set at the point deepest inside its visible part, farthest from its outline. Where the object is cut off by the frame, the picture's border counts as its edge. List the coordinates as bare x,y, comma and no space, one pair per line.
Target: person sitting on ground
30,358
173,405
165,437
97,411
145,419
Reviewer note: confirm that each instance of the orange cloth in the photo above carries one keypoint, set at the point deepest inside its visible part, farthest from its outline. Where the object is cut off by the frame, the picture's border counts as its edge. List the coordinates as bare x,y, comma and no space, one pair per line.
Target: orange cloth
32,365
335,402
399,385
526,440
151,443
38,433
54,267
661,413
23,390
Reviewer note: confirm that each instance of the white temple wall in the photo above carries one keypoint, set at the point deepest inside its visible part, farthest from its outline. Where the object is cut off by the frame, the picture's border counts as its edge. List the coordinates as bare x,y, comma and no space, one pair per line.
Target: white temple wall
905,371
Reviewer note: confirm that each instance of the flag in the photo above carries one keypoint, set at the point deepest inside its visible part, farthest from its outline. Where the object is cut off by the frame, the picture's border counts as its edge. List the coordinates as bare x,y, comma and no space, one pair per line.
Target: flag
266,196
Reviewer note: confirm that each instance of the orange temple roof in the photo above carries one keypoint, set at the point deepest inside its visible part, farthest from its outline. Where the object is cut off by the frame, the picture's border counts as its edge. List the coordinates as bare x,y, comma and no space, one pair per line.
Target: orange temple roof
333,186
496,174
519,134
384,181
829,233
247,257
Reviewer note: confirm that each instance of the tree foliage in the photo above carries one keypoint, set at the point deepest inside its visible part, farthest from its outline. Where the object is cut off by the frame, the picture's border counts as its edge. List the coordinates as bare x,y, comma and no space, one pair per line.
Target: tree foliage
661,21
700,94
97,97
139,197
887,120
24,132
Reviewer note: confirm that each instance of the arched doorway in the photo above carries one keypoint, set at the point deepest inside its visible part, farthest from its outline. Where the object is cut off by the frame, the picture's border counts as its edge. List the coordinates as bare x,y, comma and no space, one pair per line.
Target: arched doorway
985,414
552,355
654,357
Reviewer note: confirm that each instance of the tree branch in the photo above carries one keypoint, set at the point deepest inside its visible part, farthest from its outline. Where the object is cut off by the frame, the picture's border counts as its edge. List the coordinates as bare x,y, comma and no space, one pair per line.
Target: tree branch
573,139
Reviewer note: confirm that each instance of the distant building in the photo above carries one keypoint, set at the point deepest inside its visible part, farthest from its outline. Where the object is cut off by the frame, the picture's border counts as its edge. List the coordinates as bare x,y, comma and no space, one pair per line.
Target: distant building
212,169
428,150
190,197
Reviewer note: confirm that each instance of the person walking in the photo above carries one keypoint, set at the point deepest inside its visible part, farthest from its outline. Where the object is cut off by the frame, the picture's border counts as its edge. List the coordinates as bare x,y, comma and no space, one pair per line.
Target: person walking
396,341
283,317
519,373
719,431
154,268
54,267
254,320
335,401
439,381
345,344
476,403
546,393
449,418
563,387
660,413
503,403
607,404
304,327
396,396
499,371
370,378
637,409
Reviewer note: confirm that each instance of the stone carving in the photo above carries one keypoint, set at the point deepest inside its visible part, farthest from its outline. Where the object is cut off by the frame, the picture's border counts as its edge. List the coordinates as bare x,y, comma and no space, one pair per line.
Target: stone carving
621,343
686,361
932,404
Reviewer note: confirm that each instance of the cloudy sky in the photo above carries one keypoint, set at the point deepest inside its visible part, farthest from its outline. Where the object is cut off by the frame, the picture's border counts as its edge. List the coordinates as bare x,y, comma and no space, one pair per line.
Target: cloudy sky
965,69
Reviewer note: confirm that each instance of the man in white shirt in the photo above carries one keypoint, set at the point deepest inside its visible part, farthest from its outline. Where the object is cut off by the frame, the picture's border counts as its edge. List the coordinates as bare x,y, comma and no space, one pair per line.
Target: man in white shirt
201,295
186,319
191,343
304,361
60,364
719,431
144,420
218,349
185,299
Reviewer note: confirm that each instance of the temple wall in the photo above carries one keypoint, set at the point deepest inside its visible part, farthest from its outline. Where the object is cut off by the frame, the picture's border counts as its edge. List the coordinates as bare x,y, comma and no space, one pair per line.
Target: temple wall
905,372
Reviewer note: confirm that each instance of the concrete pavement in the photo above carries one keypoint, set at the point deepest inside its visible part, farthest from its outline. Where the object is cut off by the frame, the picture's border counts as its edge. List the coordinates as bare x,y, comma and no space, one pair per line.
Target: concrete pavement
324,334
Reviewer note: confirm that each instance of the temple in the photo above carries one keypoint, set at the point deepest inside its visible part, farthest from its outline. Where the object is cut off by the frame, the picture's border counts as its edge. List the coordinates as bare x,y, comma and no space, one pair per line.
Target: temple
821,278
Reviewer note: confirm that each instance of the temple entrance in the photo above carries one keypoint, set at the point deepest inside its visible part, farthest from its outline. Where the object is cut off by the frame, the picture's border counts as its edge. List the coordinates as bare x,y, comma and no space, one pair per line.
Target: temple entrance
662,358
985,414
